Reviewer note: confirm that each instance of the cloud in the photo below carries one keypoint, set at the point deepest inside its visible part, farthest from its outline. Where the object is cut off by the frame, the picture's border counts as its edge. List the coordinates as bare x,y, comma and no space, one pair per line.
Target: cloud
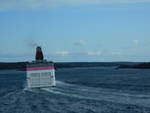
62,53
136,42
80,43
9,57
32,4
87,53
66,53
91,53
116,53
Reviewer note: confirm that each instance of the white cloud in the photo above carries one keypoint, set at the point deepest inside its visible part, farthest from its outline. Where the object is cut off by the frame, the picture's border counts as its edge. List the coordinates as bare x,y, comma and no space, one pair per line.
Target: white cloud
91,53
66,53
116,53
31,4
136,42
80,43
62,53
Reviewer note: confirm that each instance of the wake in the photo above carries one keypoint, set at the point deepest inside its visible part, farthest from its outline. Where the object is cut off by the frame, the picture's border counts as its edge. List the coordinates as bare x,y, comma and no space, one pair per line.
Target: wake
99,94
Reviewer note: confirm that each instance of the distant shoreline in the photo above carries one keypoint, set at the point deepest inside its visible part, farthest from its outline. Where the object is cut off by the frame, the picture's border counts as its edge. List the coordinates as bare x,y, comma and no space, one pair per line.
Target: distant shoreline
137,66
58,65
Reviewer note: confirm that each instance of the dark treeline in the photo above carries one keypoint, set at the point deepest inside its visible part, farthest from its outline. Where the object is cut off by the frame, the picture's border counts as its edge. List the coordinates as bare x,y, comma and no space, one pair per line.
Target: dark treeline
16,65
137,66
22,65
89,64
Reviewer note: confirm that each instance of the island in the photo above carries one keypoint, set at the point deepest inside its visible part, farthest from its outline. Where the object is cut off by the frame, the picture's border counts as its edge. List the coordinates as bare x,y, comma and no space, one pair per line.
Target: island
137,66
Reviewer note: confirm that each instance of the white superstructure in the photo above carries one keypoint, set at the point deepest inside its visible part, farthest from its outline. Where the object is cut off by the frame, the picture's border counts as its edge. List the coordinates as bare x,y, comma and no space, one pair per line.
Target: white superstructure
40,75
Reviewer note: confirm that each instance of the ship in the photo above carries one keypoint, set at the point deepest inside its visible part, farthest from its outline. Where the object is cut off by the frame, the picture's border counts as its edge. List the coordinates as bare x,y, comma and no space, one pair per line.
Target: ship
40,73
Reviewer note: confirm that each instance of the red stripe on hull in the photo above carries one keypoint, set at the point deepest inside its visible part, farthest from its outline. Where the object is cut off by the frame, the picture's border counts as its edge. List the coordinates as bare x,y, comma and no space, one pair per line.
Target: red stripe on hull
40,68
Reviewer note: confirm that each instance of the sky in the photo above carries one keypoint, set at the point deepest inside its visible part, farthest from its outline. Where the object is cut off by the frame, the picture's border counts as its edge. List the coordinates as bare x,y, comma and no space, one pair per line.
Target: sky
75,30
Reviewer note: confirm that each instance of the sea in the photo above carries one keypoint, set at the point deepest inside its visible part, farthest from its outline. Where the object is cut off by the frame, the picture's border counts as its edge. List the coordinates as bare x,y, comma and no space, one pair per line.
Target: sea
78,90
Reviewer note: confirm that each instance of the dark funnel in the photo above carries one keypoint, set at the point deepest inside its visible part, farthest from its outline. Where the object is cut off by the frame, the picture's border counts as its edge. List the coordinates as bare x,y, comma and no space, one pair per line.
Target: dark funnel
39,53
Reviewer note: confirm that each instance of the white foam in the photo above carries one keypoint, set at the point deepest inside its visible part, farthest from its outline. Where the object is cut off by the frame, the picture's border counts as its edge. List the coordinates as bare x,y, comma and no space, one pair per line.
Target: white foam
82,92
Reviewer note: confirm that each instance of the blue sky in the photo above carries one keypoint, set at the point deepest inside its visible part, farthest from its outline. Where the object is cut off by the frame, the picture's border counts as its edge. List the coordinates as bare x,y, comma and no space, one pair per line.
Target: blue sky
75,30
